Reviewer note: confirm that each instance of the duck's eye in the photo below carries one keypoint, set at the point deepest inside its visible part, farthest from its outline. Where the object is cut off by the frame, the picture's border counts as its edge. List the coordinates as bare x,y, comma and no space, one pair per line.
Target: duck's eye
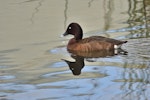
69,27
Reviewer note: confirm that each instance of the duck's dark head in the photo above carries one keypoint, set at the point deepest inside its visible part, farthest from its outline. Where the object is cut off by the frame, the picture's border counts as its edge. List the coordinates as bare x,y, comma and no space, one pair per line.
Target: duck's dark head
74,29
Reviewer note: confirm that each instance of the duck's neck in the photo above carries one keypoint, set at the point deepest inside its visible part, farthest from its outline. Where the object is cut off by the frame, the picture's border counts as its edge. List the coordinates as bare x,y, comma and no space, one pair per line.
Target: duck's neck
79,35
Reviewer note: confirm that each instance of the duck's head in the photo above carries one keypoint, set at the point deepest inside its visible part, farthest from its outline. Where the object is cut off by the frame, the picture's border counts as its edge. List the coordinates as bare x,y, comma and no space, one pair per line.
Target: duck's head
74,29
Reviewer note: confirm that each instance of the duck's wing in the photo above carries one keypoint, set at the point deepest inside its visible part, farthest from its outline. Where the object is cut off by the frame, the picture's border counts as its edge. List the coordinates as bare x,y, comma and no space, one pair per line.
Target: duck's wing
102,39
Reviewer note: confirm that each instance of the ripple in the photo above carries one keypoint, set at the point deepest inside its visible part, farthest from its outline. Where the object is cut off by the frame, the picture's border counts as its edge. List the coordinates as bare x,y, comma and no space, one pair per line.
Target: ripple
9,50
7,77
115,59
138,50
58,50
12,87
58,64
4,66
55,74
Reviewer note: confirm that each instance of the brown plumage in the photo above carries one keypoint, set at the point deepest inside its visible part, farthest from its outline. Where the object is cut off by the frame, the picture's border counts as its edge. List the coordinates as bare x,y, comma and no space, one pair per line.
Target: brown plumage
93,43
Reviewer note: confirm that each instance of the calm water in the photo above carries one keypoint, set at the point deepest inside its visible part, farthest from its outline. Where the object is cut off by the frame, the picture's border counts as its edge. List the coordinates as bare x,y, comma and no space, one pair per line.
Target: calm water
33,56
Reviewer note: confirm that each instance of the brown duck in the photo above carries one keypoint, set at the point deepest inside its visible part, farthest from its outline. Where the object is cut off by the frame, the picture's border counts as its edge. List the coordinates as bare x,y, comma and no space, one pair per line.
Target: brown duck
90,44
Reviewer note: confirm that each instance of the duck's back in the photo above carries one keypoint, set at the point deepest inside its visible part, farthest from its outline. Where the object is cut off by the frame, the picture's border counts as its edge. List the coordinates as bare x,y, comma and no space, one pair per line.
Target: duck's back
102,39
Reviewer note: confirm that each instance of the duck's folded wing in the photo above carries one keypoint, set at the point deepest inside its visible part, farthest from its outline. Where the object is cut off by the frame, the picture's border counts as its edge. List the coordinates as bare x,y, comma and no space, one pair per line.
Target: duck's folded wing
103,39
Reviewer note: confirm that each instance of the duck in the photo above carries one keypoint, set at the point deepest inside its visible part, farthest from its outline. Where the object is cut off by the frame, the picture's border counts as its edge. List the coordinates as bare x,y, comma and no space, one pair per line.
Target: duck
89,44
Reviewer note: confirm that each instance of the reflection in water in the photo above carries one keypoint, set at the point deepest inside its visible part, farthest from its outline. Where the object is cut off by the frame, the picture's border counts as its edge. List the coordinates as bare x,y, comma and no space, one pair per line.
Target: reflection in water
90,2
102,53
146,11
22,77
36,10
65,13
79,57
108,13
138,16
28,1
76,66
135,82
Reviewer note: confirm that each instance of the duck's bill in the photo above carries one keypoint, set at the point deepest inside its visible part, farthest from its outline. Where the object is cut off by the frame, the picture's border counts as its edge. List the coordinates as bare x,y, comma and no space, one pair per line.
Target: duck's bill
62,35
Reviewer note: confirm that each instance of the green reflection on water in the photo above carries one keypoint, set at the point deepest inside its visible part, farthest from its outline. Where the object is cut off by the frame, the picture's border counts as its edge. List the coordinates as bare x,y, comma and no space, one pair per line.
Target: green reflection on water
139,16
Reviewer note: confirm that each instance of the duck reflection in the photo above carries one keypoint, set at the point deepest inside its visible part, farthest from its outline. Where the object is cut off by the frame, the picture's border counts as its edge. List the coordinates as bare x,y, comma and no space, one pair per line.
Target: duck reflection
79,57
76,66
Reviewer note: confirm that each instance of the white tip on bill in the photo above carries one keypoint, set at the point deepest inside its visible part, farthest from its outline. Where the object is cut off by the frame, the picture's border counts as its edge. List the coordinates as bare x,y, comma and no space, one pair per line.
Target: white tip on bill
61,35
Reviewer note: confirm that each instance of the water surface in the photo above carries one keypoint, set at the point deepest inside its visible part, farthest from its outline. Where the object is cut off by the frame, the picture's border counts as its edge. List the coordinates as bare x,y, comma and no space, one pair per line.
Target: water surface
31,50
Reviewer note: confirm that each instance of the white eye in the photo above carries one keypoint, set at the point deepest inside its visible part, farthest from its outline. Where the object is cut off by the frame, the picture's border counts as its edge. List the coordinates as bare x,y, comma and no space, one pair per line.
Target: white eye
69,27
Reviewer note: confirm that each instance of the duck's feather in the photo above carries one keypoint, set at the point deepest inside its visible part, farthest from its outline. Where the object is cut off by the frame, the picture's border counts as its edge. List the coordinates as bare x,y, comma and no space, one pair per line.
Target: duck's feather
94,43
101,39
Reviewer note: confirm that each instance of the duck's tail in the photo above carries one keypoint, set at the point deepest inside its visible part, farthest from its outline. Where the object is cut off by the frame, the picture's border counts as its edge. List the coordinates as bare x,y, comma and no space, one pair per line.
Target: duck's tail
125,41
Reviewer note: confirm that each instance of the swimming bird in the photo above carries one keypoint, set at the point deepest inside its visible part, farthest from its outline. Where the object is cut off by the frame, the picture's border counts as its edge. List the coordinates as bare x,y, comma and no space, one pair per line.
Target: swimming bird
89,44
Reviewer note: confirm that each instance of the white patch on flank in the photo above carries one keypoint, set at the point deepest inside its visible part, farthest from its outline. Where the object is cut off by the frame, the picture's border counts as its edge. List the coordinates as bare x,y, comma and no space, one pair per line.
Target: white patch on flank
116,46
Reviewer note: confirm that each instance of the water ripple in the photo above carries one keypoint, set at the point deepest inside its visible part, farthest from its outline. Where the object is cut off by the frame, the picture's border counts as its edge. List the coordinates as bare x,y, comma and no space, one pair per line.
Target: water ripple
7,77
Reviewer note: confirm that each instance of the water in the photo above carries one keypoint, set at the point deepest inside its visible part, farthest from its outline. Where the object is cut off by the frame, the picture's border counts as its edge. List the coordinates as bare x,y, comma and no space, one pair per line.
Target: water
32,53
